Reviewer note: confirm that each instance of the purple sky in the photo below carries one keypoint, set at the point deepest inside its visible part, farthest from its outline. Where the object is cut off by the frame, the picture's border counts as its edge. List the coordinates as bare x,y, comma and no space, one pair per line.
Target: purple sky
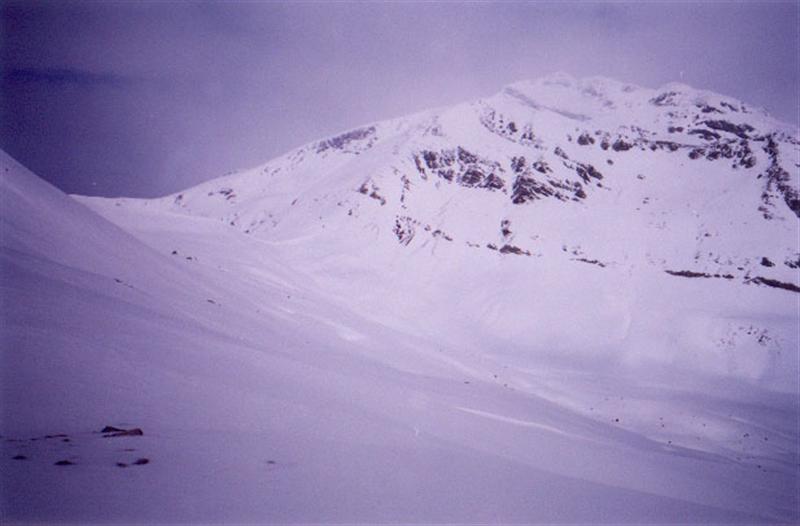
135,99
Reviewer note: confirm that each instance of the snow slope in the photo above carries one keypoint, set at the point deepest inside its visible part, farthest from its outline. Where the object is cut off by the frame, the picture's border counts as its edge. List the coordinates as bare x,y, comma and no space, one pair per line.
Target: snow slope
328,337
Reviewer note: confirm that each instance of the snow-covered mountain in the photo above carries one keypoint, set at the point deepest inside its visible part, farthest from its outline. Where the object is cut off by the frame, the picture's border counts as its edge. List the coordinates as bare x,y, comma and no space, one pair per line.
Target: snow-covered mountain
569,292
552,197
594,170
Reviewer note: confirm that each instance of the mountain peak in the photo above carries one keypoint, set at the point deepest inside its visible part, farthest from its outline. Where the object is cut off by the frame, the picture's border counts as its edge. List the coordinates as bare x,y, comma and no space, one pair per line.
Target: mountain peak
594,96
595,170
564,82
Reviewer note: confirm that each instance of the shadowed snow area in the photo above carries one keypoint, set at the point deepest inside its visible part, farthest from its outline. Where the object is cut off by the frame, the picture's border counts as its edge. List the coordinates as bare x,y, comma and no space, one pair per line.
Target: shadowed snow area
575,301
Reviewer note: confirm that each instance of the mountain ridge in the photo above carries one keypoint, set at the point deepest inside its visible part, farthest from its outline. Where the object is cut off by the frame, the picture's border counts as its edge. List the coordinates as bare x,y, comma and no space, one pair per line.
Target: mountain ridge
532,152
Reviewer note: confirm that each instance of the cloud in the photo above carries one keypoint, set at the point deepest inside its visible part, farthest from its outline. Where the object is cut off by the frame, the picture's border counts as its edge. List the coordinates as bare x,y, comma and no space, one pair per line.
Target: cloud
66,77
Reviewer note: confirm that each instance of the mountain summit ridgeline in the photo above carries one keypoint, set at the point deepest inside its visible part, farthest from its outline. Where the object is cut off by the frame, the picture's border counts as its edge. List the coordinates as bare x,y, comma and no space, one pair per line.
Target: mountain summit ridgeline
593,171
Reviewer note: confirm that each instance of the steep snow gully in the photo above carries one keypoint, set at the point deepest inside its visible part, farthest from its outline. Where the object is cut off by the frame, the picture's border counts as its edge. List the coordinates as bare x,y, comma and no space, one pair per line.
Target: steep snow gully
573,301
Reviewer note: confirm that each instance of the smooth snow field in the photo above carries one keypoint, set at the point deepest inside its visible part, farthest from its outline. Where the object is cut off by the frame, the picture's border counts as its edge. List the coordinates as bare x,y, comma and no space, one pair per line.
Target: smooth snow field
320,371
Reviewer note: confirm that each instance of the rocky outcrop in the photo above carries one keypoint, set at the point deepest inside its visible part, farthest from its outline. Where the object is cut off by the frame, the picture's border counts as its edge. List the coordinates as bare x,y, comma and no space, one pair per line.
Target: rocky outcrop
355,141
460,166
777,183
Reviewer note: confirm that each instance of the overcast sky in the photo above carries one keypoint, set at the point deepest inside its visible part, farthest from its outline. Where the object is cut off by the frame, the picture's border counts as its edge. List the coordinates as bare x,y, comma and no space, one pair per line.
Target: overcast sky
144,99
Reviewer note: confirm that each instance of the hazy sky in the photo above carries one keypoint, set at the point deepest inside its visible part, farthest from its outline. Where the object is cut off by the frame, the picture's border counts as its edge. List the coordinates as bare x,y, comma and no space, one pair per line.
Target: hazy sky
143,99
